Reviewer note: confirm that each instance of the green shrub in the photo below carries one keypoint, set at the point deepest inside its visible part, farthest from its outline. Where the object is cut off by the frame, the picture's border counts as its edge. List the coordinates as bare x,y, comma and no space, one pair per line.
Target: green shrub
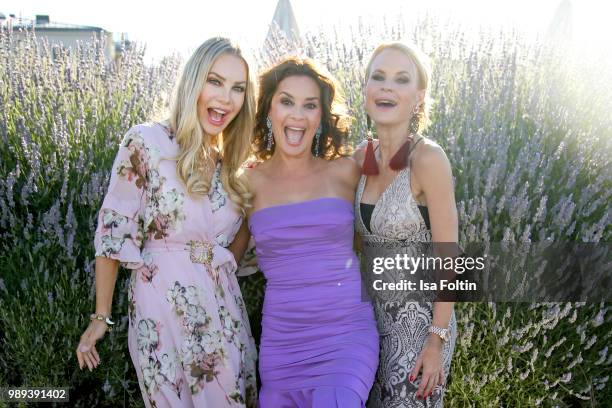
525,127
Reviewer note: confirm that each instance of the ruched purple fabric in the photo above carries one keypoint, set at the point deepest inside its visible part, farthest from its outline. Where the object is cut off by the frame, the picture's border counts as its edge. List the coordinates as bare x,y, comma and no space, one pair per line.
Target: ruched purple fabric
319,343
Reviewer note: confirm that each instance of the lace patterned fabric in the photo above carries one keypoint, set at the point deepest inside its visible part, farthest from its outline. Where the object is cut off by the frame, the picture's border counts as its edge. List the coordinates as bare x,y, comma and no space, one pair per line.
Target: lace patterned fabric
402,325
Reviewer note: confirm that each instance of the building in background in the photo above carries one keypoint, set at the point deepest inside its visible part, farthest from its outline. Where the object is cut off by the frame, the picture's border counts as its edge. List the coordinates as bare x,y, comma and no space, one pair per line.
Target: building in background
61,34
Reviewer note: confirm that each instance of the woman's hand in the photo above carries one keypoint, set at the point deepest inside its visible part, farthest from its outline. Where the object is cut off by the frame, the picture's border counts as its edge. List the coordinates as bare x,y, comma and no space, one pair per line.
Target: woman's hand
430,360
86,350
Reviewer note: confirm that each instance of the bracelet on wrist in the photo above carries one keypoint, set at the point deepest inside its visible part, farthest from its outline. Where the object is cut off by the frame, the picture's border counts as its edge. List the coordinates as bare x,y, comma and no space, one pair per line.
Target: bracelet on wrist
442,332
102,318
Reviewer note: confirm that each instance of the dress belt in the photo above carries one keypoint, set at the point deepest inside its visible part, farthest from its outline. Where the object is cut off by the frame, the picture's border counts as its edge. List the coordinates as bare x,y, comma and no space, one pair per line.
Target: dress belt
201,252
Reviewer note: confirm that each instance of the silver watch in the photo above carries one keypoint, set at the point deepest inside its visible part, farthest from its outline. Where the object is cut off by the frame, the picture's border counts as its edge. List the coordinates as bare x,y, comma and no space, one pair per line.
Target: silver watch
442,332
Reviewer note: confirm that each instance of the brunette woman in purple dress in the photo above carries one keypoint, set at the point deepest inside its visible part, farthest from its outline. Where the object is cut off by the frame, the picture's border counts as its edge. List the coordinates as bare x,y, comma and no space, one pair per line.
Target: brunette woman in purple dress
319,343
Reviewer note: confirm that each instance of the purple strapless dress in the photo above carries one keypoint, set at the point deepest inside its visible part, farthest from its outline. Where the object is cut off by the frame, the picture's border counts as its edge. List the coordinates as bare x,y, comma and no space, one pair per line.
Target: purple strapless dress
319,342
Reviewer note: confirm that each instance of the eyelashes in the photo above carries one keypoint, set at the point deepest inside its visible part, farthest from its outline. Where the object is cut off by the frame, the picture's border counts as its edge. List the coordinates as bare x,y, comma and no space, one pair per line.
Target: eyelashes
401,80
217,82
288,102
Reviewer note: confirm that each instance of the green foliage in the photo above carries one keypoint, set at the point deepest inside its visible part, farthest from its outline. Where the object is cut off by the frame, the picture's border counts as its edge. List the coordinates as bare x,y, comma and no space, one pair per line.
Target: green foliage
525,127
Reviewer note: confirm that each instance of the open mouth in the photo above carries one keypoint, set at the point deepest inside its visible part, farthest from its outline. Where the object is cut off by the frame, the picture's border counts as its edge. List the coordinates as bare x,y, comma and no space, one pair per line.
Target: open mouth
294,135
216,116
385,103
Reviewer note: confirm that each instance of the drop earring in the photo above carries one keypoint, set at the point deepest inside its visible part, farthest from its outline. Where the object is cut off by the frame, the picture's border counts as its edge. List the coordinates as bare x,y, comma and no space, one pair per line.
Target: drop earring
414,121
317,138
269,136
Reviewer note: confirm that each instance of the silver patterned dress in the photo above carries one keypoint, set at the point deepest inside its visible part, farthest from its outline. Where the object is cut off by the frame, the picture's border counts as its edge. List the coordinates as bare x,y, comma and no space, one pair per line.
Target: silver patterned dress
402,325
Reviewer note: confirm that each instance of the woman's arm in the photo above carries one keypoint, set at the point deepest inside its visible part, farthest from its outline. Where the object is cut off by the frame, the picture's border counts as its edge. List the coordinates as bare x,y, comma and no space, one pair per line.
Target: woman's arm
433,173
106,277
358,156
347,174
241,241
436,180
116,240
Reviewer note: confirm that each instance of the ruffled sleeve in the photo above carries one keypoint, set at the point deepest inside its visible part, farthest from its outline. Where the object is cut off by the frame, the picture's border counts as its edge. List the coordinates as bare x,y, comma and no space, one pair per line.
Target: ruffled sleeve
120,233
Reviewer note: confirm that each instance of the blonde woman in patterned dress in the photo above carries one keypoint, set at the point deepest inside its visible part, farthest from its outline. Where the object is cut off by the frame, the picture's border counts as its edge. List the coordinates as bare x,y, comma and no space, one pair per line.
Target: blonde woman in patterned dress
405,195
173,206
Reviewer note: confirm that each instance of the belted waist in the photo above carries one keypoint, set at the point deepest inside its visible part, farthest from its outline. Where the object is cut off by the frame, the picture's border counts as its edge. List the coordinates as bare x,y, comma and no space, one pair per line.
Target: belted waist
201,252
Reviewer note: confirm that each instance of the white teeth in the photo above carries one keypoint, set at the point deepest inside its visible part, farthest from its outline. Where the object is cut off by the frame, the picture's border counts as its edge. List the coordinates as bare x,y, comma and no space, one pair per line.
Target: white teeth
216,114
294,135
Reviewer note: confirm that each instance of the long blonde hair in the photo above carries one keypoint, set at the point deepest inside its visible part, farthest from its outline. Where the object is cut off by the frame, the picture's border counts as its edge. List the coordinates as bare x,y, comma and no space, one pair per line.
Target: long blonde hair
423,67
233,144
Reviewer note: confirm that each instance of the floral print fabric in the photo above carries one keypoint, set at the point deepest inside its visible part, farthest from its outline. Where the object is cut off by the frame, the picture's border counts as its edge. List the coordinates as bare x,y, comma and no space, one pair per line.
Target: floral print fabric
189,336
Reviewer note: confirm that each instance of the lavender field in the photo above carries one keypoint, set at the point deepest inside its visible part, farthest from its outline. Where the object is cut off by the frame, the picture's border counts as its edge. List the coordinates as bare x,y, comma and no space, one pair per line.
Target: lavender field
526,126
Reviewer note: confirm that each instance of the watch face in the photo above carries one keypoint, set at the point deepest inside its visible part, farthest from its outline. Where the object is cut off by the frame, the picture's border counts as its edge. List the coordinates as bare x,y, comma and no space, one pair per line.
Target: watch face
445,335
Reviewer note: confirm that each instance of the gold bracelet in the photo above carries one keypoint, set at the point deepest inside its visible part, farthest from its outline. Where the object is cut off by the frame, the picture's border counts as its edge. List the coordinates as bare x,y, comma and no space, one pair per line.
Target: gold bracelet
102,318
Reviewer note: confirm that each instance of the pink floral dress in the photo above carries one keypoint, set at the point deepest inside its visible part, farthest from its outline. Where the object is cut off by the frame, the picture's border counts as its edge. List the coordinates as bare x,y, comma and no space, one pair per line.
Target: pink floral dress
189,335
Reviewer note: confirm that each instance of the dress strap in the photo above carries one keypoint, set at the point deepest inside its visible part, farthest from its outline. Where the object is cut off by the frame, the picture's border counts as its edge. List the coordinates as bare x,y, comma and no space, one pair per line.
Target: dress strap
412,149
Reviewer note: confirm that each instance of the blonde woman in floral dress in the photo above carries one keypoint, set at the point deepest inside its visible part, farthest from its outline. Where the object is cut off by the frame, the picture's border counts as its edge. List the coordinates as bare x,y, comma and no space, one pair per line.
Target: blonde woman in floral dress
173,206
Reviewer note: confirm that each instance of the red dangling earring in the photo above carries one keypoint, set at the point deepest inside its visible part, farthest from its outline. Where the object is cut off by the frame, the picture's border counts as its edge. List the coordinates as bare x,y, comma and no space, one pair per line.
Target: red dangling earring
399,160
370,167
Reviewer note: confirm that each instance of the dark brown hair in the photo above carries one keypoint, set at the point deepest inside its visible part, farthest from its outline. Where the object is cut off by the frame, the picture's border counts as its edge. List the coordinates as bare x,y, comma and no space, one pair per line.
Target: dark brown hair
334,120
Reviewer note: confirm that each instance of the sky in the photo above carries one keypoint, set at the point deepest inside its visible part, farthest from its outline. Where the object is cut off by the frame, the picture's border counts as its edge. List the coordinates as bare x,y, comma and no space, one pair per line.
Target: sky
181,25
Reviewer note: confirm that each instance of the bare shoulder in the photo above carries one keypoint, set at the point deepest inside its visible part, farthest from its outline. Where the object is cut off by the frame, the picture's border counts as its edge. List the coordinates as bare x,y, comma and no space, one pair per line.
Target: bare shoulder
429,158
345,164
346,168
254,173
